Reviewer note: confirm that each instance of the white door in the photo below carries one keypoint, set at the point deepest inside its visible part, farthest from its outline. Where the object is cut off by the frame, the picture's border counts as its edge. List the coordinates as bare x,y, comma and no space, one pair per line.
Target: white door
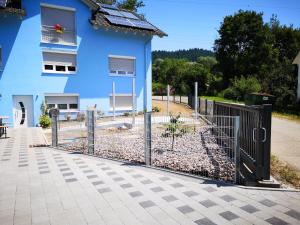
23,111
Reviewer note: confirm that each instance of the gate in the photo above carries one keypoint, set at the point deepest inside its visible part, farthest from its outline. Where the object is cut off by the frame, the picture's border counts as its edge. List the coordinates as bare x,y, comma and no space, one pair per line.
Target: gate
255,139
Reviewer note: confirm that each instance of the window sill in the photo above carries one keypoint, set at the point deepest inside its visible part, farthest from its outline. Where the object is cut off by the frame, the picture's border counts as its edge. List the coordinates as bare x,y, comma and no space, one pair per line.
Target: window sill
60,43
119,75
121,109
59,73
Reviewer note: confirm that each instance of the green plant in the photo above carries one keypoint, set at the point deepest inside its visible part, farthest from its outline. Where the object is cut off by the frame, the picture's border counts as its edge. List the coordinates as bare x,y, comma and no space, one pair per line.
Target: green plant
156,109
126,114
44,108
174,128
45,121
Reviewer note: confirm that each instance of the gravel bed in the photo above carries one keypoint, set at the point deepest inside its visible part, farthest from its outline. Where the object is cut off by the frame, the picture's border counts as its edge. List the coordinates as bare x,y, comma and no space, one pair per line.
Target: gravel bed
195,152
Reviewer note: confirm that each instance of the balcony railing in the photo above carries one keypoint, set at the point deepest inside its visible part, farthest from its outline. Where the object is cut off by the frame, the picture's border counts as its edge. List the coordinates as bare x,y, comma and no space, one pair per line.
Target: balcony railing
50,35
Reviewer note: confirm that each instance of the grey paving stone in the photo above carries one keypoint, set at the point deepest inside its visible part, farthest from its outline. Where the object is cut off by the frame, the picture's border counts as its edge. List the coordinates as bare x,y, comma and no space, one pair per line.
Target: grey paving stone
42,163
97,182
177,185
59,160
92,176
43,167
147,204
229,215
185,209
64,169
268,203
44,172
68,174
146,181
88,171
80,162
294,214
137,175
106,168
190,193
249,208
84,166
227,198
209,189
204,221
128,185
23,165
62,164
207,203
111,173
101,164
104,190
170,198
157,189
276,221
6,160
23,161
117,179
70,180
164,178
135,194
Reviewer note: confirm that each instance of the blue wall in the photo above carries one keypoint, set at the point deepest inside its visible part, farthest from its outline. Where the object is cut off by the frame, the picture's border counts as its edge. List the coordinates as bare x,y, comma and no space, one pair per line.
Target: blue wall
22,57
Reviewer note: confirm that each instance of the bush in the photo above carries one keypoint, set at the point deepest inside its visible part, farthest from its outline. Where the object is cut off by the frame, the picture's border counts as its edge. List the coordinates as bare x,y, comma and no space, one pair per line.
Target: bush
156,109
230,93
80,117
126,114
45,121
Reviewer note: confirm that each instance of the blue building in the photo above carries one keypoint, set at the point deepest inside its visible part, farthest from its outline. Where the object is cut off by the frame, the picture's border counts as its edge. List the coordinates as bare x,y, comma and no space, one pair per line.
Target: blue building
69,54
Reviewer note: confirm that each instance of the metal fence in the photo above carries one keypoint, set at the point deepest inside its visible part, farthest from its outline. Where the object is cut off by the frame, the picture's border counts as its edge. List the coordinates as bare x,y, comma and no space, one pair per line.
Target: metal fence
176,99
195,146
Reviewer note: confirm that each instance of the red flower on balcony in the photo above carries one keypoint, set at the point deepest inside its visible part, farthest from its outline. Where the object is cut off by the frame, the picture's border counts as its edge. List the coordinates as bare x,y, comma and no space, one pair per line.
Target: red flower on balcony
58,28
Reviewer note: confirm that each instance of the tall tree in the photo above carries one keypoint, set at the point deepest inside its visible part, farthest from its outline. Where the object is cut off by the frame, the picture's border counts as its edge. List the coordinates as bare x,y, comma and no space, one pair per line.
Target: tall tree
244,46
131,5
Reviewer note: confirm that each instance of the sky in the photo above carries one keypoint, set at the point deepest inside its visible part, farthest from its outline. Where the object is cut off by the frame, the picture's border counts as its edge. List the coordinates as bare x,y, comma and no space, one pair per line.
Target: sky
195,23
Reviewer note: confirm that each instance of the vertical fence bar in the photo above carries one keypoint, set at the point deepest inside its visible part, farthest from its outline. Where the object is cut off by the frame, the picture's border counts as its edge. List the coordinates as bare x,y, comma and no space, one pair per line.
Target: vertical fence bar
114,99
205,106
237,148
196,100
54,122
168,95
147,137
133,101
266,126
91,121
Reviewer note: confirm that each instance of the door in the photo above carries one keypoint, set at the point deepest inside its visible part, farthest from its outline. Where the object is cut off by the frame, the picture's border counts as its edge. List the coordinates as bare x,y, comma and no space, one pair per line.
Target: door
23,111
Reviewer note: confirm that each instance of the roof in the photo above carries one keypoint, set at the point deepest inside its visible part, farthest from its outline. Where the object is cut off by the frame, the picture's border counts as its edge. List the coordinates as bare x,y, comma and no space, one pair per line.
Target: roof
12,7
297,59
111,17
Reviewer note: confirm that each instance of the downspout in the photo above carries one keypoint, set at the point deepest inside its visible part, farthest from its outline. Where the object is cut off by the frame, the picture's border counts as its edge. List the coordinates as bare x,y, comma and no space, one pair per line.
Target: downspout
146,86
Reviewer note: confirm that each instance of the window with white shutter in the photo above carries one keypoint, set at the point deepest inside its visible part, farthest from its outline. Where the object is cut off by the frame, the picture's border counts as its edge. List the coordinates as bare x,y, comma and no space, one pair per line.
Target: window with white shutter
59,62
121,66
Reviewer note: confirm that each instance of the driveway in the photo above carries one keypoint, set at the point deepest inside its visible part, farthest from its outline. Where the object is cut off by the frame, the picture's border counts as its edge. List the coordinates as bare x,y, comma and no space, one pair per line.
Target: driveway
286,141
47,186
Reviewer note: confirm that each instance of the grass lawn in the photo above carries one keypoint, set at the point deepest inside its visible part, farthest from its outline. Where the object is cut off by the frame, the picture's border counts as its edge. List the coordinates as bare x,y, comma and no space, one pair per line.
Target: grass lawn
287,116
220,99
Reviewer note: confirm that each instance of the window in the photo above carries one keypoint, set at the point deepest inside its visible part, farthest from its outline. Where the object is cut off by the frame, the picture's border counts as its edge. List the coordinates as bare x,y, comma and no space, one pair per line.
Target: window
1,60
59,62
58,24
121,66
122,102
64,102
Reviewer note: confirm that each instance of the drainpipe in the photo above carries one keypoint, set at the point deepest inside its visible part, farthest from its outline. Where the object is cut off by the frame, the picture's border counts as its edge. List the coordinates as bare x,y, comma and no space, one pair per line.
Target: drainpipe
146,87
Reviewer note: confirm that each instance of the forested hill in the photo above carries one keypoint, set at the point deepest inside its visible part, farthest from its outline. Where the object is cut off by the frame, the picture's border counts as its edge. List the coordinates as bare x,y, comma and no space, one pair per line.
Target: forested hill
191,54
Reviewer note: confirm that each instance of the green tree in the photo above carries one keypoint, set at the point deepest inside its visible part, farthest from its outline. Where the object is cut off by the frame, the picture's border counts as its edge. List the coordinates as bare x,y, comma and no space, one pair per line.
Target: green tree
131,5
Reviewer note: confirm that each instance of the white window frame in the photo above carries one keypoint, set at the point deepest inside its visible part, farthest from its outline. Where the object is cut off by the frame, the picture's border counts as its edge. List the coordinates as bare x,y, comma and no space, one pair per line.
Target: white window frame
122,57
68,104
66,9
53,71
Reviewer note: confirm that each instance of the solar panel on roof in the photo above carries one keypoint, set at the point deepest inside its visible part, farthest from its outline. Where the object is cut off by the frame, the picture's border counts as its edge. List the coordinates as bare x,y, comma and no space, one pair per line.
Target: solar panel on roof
108,6
3,3
112,12
129,15
142,24
118,21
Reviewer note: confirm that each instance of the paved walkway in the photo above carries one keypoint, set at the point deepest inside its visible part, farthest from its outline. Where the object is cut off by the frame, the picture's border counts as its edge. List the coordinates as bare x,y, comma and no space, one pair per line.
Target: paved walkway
45,186
286,141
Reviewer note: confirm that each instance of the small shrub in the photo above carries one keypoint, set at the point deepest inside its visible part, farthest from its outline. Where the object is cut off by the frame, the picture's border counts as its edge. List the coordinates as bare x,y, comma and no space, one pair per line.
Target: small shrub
80,117
230,93
45,121
156,109
126,114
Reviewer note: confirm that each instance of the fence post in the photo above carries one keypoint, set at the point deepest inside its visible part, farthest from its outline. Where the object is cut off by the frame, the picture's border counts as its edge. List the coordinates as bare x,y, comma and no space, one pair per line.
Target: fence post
91,122
54,121
147,137
205,106
133,101
168,95
237,149
266,126
196,100
114,99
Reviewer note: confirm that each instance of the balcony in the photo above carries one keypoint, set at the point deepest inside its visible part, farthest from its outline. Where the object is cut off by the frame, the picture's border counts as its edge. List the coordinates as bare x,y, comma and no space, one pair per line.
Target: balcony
50,35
